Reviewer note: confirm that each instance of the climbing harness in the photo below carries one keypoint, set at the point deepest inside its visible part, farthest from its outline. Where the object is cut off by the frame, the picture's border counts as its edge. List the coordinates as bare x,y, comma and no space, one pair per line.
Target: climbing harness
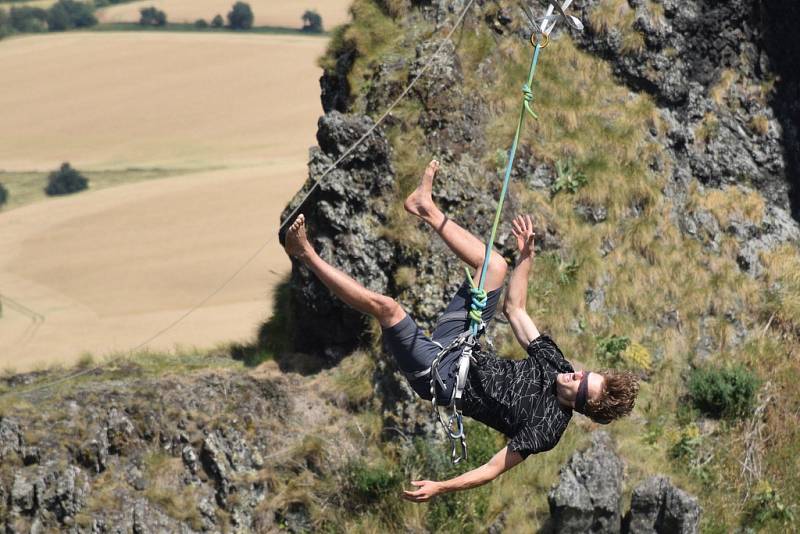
468,340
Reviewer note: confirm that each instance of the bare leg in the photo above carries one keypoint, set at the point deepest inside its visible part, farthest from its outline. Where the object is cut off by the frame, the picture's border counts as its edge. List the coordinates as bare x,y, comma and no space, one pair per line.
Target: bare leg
385,309
464,244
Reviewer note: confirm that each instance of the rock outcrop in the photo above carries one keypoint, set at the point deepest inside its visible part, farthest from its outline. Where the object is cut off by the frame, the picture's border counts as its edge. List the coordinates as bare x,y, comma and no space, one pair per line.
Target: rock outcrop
171,454
658,507
344,216
708,64
685,53
587,496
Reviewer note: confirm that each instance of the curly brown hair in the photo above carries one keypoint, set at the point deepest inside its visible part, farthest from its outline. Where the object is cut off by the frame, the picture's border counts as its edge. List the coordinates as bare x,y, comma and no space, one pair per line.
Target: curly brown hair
616,398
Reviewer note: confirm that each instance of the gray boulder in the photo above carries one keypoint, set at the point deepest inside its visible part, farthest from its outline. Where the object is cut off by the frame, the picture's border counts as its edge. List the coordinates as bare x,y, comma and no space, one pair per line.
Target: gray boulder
49,491
227,458
658,507
10,438
452,118
587,496
344,216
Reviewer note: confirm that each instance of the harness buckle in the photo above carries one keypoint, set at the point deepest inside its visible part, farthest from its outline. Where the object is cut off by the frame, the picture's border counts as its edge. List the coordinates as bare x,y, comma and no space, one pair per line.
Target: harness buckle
454,427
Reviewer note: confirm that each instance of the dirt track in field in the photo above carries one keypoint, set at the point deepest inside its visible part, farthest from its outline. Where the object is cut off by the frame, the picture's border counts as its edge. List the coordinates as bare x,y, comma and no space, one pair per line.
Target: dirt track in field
107,269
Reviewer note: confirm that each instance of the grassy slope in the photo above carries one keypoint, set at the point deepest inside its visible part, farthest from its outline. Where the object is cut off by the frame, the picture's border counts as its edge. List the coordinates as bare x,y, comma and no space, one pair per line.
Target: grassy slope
588,118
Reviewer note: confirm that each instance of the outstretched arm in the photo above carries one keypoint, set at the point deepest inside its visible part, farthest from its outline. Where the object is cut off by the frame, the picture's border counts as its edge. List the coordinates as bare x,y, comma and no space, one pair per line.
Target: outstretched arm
500,463
517,294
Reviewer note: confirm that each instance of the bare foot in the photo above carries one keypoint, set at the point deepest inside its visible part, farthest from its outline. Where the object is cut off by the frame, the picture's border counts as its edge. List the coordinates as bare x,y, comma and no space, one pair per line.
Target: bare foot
297,244
420,201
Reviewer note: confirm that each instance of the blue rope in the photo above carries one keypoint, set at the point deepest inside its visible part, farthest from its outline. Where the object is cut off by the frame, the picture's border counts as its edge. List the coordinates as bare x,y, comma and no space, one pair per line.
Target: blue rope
476,319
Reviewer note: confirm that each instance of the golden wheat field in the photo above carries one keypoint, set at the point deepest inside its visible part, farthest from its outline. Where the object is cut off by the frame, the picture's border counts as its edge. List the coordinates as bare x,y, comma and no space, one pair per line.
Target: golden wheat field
189,100
44,4
266,12
108,268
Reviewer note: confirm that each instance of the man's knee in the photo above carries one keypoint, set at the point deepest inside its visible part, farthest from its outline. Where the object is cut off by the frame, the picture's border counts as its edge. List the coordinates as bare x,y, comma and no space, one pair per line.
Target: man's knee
497,265
388,311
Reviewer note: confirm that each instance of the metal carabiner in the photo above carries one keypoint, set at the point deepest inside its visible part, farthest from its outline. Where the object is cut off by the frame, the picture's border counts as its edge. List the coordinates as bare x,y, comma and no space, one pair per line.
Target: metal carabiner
457,458
459,434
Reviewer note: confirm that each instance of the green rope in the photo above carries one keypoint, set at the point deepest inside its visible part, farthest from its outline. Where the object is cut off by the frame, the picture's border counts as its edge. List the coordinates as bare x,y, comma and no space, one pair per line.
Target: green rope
478,291
479,300
527,99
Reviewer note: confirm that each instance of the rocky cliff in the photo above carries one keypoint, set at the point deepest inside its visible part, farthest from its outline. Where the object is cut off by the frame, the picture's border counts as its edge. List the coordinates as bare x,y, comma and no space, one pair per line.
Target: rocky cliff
662,175
720,123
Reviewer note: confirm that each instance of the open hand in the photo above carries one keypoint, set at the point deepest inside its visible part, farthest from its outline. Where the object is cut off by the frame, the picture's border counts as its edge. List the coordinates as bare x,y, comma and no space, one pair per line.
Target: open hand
522,228
427,490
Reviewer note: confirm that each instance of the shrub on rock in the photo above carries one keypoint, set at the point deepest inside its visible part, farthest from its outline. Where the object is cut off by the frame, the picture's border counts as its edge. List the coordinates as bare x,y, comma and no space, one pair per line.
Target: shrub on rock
3,194
723,392
65,181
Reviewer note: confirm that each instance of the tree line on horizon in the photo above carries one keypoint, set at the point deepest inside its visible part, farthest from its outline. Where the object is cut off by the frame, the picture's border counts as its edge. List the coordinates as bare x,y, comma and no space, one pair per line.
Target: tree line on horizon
61,16
66,15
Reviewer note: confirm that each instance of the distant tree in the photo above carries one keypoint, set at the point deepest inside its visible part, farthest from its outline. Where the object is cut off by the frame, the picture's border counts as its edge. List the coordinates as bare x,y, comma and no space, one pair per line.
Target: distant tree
240,17
28,19
5,24
68,14
64,181
3,194
217,21
200,23
312,22
150,16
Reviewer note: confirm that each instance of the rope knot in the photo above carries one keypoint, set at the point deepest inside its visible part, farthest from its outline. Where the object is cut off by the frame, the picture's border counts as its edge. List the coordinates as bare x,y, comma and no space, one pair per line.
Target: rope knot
527,97
527,94
478,304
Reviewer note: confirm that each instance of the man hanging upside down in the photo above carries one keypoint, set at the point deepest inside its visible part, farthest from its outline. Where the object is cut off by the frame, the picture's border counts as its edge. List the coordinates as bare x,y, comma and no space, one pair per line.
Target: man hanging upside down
531,400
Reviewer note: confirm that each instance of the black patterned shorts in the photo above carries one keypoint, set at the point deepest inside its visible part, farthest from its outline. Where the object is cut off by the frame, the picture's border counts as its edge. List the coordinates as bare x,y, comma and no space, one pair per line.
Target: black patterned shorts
414,351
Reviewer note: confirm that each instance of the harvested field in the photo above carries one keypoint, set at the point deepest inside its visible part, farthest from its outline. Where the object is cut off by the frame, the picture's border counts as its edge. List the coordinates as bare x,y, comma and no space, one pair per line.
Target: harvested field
157,100
267,13
232,115
110,268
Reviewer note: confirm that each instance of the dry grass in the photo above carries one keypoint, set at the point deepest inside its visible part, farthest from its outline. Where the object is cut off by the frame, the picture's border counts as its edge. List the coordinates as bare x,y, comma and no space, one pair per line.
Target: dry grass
163,473
760,124
707,129
731,203
719,92
617,15
354,379
783,279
